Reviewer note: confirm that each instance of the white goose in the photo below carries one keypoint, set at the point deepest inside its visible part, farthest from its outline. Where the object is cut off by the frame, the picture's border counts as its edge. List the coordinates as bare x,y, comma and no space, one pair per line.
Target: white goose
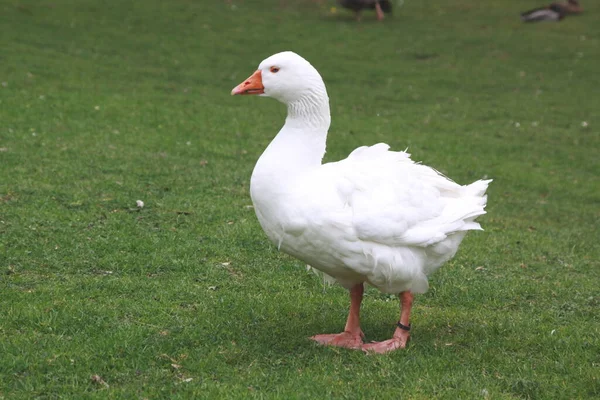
375,217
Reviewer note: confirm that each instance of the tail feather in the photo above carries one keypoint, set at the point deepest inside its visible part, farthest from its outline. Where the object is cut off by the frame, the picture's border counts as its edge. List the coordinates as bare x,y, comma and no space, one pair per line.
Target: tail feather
478,188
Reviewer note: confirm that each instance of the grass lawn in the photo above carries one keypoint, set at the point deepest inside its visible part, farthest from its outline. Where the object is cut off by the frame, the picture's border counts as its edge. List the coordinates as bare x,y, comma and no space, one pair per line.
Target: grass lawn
103,103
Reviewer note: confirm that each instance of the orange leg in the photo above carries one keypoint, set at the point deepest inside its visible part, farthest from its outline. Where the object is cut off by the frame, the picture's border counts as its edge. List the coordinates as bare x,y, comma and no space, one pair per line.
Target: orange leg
401,334
379,11
352,336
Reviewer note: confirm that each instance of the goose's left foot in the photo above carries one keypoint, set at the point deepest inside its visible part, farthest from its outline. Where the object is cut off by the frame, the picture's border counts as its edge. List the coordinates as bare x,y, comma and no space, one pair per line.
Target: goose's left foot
402,332
398,341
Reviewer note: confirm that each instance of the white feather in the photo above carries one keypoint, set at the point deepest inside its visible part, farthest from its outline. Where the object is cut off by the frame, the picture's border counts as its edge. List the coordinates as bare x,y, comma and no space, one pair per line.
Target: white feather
375,217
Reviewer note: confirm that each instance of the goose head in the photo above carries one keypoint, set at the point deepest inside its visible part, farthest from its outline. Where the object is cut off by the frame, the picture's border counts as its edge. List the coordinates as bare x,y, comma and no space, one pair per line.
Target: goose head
286,77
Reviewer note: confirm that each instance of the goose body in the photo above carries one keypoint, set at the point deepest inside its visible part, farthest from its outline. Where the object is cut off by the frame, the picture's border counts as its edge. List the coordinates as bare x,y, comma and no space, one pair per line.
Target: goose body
375,217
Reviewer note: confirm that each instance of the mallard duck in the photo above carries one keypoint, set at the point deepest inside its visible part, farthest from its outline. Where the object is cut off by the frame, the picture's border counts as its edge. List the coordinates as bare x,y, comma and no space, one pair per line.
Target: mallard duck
381,7
376,217
553,12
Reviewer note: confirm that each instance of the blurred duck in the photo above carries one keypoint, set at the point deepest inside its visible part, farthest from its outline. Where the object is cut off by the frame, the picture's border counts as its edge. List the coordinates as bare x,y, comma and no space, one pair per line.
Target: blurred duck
553,12
381,7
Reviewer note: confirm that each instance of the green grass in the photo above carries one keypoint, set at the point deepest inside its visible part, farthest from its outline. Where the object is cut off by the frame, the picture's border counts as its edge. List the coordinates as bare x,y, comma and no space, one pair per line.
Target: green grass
105,103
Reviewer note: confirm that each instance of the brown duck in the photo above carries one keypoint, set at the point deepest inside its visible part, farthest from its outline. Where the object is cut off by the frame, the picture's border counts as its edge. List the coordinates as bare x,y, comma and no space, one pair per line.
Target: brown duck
381,7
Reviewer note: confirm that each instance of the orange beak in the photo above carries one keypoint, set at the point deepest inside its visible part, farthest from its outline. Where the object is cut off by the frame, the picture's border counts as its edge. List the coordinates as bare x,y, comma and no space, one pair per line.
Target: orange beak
252,85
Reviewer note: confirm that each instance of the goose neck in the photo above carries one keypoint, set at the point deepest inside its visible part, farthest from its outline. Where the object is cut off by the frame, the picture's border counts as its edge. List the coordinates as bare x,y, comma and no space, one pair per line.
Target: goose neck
309,112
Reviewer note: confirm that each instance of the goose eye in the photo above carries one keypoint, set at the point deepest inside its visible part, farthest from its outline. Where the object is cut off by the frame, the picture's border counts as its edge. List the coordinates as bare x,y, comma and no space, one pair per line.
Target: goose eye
274,70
